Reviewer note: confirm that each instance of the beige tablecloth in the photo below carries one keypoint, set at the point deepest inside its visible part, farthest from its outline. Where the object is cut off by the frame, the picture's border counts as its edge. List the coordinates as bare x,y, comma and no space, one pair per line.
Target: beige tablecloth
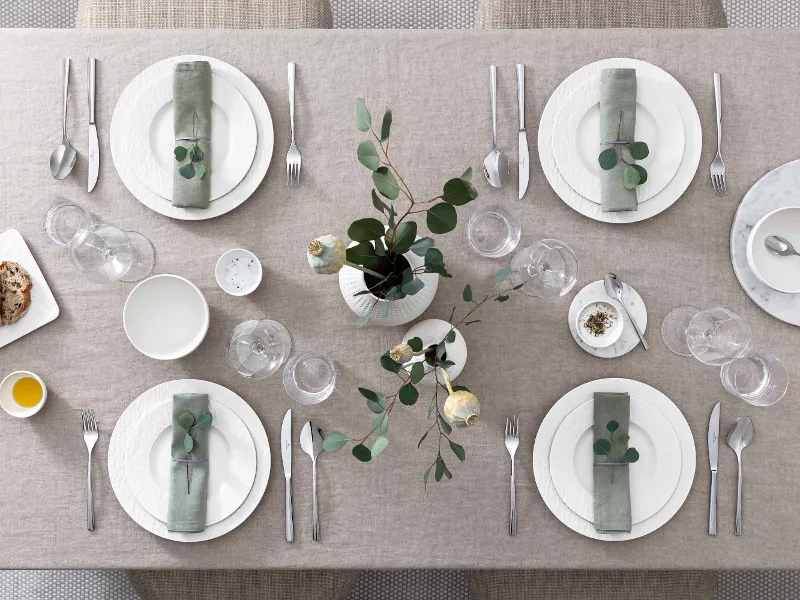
521,358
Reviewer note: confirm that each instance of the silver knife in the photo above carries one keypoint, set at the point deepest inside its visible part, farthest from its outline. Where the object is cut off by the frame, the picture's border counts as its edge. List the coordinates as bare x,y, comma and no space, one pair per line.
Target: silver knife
94,147
524,167
713,456
286,454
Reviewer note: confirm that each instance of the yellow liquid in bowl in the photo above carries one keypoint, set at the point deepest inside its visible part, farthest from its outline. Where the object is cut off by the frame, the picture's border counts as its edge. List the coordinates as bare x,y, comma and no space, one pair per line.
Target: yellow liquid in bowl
27,392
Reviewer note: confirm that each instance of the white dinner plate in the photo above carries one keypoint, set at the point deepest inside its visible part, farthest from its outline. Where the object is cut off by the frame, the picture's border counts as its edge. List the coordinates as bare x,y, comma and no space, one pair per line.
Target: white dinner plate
232,462
653,478
573,399
673,190
781,273
150,137
576,138
122,435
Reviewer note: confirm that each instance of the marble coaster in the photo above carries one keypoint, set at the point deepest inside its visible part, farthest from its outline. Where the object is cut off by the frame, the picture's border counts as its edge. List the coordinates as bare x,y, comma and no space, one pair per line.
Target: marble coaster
628,340
776,189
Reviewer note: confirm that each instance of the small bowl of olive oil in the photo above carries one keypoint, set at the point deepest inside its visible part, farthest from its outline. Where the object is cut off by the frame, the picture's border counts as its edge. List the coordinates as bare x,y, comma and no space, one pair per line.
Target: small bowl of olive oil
22,394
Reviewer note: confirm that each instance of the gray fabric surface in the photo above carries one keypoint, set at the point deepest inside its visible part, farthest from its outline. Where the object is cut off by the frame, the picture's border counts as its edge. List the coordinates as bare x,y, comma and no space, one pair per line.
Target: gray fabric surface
617,122
191,90
378,515
612,491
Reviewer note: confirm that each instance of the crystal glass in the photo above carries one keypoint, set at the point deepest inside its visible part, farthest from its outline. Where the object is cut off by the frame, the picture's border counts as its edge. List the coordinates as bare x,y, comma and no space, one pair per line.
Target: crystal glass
256,349
547,268
714,336
309,378
104,253
61,221
493,231
759,378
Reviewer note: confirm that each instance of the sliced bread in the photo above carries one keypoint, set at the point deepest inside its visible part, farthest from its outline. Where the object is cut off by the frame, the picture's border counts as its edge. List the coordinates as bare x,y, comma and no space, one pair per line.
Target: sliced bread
15,292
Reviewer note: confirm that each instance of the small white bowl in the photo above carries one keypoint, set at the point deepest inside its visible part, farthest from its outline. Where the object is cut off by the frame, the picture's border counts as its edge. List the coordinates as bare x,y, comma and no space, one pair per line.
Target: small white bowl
238,272
781,273
611,334
7,400
166,317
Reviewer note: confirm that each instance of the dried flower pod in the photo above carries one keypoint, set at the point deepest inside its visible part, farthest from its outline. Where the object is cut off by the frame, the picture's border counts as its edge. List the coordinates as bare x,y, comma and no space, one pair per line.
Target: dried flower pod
401,353
326,255
462,409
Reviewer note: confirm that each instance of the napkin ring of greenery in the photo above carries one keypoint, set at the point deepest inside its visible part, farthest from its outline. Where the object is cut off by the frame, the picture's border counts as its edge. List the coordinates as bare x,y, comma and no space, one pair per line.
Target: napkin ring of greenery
194,152
632,174
188,423
603,447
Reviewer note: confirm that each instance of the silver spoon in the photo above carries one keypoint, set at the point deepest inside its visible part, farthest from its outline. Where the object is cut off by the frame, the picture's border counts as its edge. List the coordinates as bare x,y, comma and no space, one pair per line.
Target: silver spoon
495,165
614,289
311,439
739,437
63,158
780,246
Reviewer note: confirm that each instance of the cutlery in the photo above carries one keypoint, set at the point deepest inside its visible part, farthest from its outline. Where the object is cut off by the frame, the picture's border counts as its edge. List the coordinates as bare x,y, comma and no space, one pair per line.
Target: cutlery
286,455
293,158
713,459
524,170
512,443
780,246
311,439
94,147
495,165
615,290
63,157
739,437
717,166
90,436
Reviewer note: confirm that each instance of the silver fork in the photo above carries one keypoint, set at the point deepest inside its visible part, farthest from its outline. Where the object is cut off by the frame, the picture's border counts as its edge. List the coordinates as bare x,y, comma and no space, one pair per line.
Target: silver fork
90,437
717,166
512,443
293,158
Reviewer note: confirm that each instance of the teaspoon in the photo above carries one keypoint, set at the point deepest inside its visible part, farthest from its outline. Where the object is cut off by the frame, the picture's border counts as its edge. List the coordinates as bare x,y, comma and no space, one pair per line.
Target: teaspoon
615,290
780,246
739,437
63,158
495,165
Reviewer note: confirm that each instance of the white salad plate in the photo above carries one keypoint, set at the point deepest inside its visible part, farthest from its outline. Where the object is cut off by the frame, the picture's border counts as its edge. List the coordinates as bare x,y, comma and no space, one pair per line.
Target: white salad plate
575,398
151,138
781,273
653,478
576,134
689,161
122,437
232,462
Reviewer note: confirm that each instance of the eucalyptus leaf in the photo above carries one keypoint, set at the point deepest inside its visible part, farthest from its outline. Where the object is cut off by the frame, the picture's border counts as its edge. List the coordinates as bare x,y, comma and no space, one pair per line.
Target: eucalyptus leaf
608,159
458,451
362,453
441,349
378,203
445,425
415,343
368,316
408,395
196,154
364,254
471,322
417,372
502,298
201,171
385,309
425,478
642,173
630,456
467,175
601,447
363,118
422,439
451,336
180,153
442,218
188,443
185,420
187,171
414,286
421,246
386,125
639,150
368,155
445,364
434,256
459,191
204,420
380,425
439,472
431,407
624,438
385,183
376,397
395,293
501,276
467,295
390,365
404,236
379,446
460,388
334,441
612,426
630,177
366,230
446,472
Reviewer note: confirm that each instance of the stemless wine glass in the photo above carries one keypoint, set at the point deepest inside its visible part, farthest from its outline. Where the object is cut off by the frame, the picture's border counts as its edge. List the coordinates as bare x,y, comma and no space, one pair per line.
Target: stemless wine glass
714,336
256,349
760,378
493,231
547,268
309,378
61,221
104,253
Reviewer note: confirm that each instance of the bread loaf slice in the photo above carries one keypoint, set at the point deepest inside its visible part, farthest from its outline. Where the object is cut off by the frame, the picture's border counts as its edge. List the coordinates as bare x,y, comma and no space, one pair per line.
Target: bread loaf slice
15,292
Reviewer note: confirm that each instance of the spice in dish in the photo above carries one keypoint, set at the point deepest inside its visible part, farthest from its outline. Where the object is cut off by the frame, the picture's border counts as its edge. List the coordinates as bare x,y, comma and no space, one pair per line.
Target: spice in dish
599,322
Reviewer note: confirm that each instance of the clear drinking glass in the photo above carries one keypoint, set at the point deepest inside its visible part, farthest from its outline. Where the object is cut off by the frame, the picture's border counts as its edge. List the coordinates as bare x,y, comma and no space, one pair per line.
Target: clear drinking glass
61,221
104,253
493,231
759,378
309,378
714,336
548,268
256,349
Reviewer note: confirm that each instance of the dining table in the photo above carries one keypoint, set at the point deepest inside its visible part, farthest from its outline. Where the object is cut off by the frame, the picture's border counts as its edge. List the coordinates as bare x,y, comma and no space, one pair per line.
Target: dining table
521,359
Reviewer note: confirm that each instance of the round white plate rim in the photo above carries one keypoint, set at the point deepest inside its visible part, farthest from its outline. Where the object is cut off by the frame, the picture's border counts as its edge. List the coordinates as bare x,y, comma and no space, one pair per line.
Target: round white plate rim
556,414
245,189
645,416
751,262
652,98
119,441
155,500
669,195
241,126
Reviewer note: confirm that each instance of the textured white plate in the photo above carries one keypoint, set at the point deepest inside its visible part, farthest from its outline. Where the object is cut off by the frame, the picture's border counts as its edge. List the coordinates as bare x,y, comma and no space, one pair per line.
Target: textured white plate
781,273
573,399
120,439
43,307
673,190
229,201
232,462
150,137
653,478
576,138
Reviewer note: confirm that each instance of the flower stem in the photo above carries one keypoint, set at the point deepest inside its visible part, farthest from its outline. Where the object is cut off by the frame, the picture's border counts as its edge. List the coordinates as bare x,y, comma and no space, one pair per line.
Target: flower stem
363,269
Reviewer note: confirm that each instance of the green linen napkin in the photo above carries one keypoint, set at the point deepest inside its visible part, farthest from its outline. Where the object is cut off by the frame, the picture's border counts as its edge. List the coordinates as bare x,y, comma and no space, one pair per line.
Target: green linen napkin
612,501
617,93
191,98
187,511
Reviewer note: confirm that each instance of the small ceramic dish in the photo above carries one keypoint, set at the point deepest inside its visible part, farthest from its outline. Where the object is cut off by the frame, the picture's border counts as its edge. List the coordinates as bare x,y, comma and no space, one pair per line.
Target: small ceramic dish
599,314
781,273
7,400
238,272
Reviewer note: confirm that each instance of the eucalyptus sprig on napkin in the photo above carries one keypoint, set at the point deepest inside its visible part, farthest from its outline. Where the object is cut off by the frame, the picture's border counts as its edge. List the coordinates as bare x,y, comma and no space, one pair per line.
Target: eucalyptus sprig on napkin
195,154
188,422
632,174
609,448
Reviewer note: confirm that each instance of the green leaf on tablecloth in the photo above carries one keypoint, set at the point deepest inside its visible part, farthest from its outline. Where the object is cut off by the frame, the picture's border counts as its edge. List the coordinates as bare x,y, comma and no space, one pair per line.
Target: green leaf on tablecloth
187,171
442,218
204,420
404,236
467,294
368,155
425,477
334,441
467,175
185,420
630,177
642,173
445,425
379,446
501,276
639,150
612,426
502,298
386,125
415,343
180,153
362,453
417,372
420,247
380,425
457,450
422,439
608,159
390,365
188,443
459,191
439,468
601,447
385,183
471,322
376,401
363,118
408,394
431,407
630,456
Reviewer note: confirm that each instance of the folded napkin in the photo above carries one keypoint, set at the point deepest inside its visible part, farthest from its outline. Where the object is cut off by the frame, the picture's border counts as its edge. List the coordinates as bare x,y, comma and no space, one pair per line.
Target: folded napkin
617,93
612,501
187,511
191,98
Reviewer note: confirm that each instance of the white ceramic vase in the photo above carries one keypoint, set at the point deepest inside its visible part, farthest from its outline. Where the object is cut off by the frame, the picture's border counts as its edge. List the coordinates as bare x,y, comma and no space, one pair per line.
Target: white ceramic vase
431,332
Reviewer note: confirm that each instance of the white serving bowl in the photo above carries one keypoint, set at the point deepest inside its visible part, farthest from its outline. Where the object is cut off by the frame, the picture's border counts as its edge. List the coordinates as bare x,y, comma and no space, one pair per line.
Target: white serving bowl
166,317
7,400
781,273
238,272
611,335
